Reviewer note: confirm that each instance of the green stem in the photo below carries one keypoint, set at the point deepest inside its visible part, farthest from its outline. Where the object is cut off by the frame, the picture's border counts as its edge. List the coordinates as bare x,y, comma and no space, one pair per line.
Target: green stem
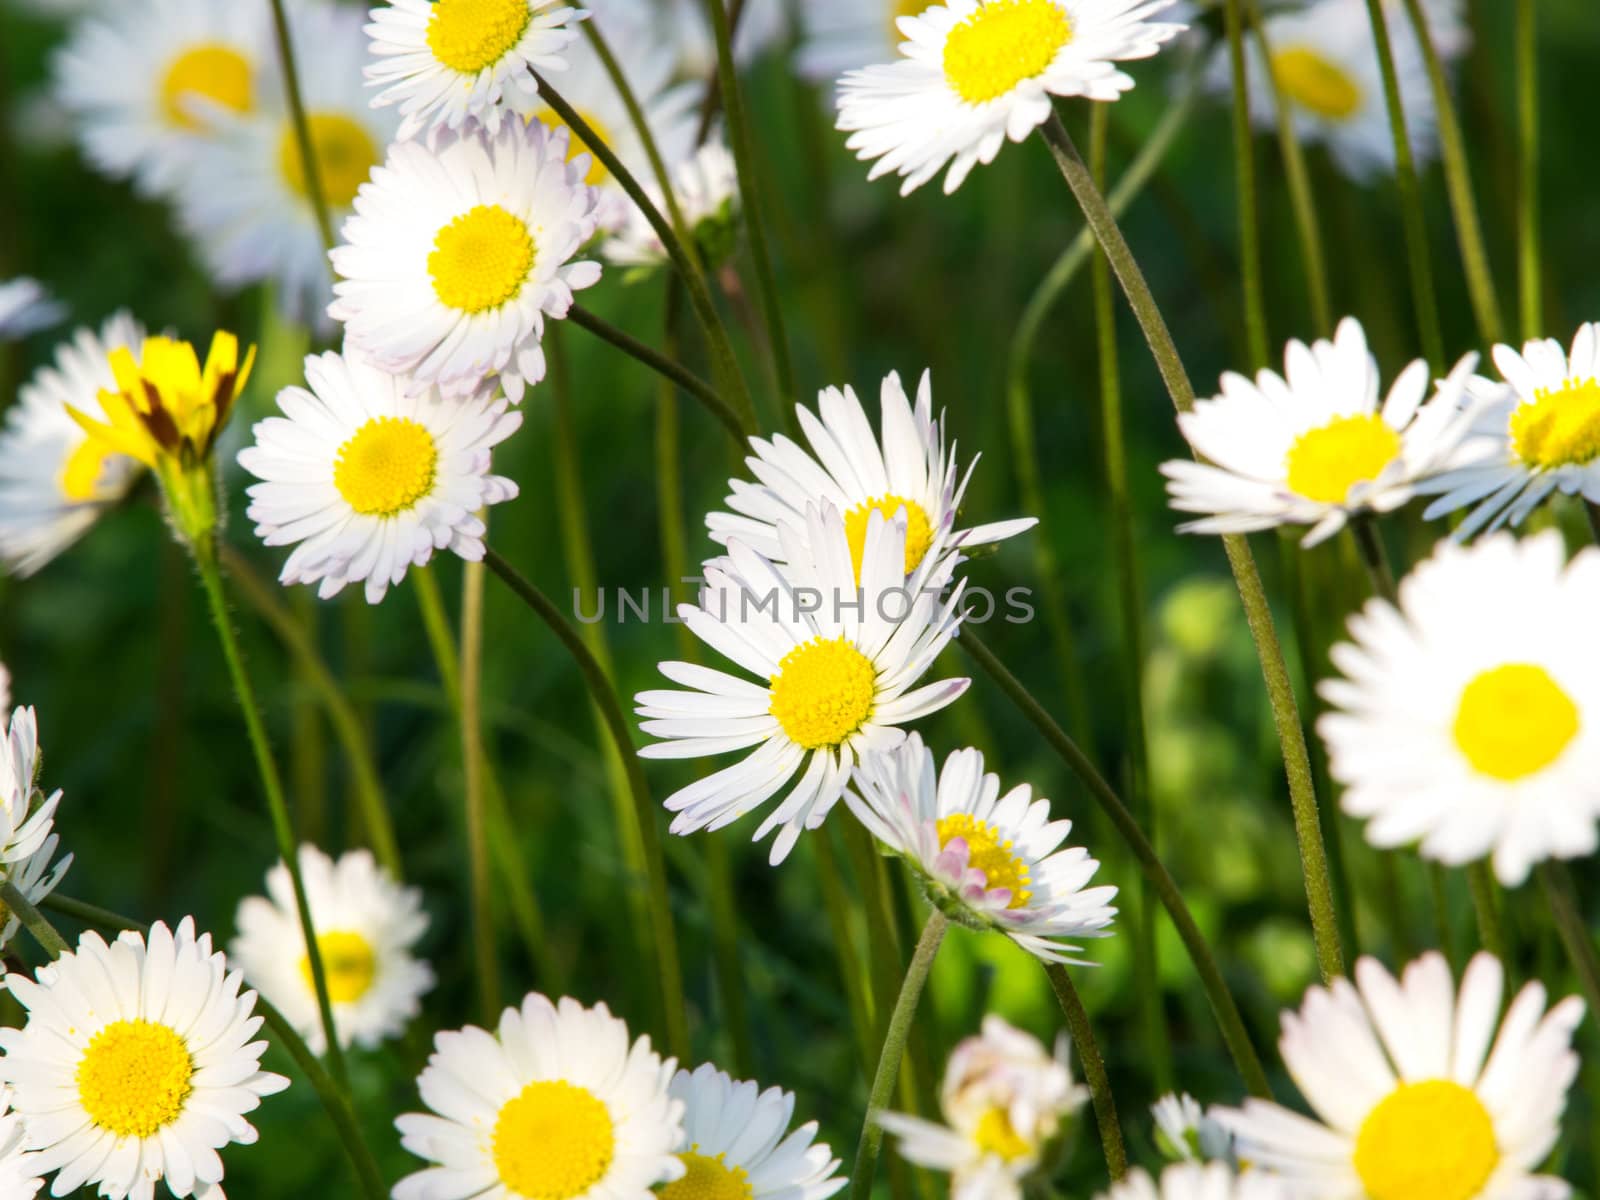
1094,1070
205,557
1244,168
436,623
481,891
1485,906
32,919
1561,894
1229,1019
304,143
1369,540
1529,267
894,1048
857,989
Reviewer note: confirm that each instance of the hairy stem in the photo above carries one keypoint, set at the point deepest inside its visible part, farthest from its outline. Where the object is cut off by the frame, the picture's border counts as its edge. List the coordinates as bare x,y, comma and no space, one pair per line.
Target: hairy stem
1094,1070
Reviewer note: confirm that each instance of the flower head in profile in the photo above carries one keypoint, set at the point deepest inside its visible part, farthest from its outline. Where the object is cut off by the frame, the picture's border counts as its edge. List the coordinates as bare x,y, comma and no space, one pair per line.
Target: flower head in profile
558,1102
28,841
367,929
1418,1089
987,860
1005,1102
136,1064
707,189
1315,446
1187,1132
1466,719
971,75
26,307
1194,1181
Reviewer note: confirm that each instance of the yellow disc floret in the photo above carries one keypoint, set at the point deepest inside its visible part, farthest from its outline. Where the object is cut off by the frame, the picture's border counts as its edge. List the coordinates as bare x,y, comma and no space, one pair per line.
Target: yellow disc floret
469,35
216,72
349,965
481,259
597,173
1315,83
1514,721
919,531
553,1140
1433,1139
708,1178
1002,867
995,1135
386,467
823,692
134,1078
345,155
1002,44
1559,427
1325,463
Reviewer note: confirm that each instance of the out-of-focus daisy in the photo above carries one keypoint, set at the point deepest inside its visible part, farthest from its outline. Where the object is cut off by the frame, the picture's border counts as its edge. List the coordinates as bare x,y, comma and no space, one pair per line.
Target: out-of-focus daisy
246,201
1192,1181
19,1178
136,1064
26,307
908,470
146,82
972,75
1005,1099
837,661
557,1103
1468,719
987,860
1315,446
1536,433
1185,1131
763,25
454,258
459,64
28,841
737,1147
1410,1099
367,926
707,188
847,35
55,480
366,477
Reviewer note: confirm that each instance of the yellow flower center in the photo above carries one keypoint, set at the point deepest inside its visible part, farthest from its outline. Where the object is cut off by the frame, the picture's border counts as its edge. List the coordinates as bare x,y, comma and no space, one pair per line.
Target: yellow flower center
349,965
708,1179
1559,427
219,73
1432,1140
1002,44
1324,464
1514,721
469,35
345,154
994,1135
1001,867
134,1078
1315,83
386,466
823,692
554,1140
919,532
481,259
80,474
597,173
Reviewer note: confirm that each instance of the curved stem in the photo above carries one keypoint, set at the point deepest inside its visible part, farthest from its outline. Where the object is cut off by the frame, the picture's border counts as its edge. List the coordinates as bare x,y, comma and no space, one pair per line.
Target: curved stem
472,761
1244,173
302,127
1094,1070
1529,268
894,1048
1556,879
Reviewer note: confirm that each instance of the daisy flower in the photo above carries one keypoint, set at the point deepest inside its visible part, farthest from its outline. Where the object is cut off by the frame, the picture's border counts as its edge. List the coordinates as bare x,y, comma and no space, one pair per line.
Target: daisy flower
908,470
1469,718
1192,1181
1415,1090
146,82
556,1104
28,841
19,1178
136,1064
56,481
707,189
1185,1131
1004,1099
837,661
971,75
1536,433
246,202
454,258
366,477
986,860
367,926
26,307
460,64
846,35
735,1134
1314,446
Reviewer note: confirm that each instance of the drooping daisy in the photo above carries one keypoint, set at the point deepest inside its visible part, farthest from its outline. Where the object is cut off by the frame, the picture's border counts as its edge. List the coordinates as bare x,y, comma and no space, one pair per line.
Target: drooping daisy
28,841
136,1064
365,477
737,1143
367,927
1005,1100
26,307
246,200
847,35
837,662
1414,1090
454,258
1536,433
146,82
1314,446
556,1104
908,470
19,1178
1192,1181
972,75
707,189
987,860
1469,719
55,480
459,64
